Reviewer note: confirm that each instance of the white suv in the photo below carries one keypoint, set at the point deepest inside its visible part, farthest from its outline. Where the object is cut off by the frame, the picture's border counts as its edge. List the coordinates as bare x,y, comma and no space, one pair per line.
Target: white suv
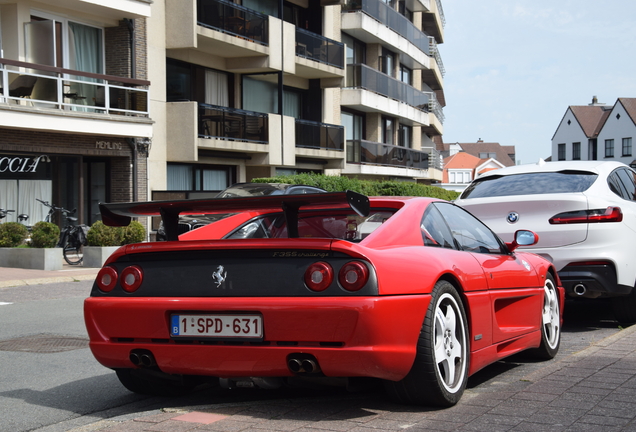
584,213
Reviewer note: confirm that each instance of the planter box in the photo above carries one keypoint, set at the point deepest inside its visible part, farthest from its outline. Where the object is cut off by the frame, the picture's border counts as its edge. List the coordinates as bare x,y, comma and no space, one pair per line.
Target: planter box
95,256
32,258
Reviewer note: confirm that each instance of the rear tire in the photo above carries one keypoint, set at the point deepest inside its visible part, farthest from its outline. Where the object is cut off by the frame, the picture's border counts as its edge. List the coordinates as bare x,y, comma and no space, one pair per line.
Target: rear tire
440,371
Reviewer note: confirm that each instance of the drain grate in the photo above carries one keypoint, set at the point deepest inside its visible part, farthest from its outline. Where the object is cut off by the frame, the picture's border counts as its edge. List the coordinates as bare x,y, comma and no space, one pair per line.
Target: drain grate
44,344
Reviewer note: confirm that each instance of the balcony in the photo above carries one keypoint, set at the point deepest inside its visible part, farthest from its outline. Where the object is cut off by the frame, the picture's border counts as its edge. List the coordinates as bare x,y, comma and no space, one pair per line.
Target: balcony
28,89
372,21
114,9
433,20
319,57
233,19
317,135
373,153
233,124
434,76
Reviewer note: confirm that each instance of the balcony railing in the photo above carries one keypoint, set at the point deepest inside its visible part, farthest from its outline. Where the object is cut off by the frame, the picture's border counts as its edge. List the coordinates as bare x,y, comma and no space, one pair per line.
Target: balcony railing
316,47
436,108
367,152
440,10
233,19
43,86
367,78
391,18
316,135
230,123
435,53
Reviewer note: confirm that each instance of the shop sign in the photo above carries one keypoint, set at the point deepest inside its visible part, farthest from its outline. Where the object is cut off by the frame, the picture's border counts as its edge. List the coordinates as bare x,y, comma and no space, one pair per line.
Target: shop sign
107,145
17,164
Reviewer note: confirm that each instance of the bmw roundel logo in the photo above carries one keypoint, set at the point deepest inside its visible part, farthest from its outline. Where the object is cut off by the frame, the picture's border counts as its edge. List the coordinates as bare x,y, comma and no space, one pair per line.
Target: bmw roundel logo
513,217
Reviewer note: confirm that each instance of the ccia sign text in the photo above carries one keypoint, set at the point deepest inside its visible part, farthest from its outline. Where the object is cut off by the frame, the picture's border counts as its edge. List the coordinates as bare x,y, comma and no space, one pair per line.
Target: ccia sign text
19,164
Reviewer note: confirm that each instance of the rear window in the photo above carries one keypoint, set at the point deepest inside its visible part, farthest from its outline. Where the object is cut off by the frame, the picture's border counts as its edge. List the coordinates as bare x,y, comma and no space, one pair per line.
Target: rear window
337,225
530,184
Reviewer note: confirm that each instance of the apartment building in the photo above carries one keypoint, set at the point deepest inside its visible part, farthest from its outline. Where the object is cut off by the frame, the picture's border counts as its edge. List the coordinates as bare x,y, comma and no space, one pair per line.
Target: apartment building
257,88
75,128
117,100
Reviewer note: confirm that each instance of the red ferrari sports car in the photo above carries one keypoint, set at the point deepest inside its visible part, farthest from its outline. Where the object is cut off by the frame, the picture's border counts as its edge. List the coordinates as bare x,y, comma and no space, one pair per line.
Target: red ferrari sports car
333,287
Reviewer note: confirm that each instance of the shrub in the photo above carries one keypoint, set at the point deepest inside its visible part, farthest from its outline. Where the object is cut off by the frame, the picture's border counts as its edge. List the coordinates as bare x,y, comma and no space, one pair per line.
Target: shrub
133,233
366,187
12,234
44,235
103,235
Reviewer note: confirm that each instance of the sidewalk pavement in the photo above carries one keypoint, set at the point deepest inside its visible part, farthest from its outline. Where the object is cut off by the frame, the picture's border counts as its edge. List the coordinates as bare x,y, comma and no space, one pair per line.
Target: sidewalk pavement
590,390
10,277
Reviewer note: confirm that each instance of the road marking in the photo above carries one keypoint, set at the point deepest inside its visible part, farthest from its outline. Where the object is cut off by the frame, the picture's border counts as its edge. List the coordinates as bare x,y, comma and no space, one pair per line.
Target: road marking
4,303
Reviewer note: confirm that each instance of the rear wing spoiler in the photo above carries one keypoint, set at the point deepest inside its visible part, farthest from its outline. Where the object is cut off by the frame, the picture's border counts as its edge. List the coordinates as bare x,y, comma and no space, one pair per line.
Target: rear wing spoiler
120,214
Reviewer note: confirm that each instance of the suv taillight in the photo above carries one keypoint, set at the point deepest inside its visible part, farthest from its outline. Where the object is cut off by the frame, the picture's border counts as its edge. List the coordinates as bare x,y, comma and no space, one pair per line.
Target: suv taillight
610,214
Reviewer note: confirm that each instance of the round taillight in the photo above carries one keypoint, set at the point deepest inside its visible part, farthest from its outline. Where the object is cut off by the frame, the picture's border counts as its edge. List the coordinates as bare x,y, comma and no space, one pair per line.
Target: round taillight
353,275
318,276
131,278
106,279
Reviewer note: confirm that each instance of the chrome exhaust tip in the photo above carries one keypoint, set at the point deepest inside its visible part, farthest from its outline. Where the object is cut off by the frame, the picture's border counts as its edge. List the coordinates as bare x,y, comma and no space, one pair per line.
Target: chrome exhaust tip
579,289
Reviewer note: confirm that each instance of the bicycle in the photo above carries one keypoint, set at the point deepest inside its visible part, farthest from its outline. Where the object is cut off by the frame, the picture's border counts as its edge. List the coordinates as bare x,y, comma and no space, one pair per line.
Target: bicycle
72,237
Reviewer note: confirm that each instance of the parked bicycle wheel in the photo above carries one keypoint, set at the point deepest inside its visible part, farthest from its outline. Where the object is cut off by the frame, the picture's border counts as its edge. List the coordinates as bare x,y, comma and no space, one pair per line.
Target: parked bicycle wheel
73,249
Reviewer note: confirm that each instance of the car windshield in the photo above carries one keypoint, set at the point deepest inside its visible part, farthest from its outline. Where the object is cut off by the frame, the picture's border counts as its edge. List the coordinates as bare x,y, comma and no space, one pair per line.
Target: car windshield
530,184
338,225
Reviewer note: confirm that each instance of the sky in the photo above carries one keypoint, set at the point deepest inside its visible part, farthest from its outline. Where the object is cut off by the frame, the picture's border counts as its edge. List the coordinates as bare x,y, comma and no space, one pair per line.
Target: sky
513,67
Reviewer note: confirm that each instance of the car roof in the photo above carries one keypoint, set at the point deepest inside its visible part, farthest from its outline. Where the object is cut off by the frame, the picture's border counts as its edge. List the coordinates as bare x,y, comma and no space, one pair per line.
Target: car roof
262,189
542,166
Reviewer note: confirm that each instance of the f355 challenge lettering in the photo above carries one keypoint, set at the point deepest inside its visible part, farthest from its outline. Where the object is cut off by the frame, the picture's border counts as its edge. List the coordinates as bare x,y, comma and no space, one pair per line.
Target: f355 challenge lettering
299,254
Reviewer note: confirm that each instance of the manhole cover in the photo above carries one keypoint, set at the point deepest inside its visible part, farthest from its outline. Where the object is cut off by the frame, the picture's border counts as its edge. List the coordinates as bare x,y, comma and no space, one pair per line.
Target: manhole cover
43,344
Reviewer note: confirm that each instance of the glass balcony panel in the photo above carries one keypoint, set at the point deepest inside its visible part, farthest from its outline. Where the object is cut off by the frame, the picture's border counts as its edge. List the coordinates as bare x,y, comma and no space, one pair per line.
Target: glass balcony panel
234,19
59,88
367,78
391,18
372,153
317,135
319,48
229,123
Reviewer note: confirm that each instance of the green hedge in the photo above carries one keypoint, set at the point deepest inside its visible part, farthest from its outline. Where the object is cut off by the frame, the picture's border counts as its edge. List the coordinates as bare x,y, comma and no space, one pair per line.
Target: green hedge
366,187
103,235
12,234
44,235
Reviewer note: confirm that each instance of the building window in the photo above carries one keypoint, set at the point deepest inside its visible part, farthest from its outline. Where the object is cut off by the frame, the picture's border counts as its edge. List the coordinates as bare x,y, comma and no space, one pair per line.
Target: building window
353,124
387,62
183,177
561,152
591,150
609,148
627,146
388,129
355,50
406,75
576,151
405,136
487,155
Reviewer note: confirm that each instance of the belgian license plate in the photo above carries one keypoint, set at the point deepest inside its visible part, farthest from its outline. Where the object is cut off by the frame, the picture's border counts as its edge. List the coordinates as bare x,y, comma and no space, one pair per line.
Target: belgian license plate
216,326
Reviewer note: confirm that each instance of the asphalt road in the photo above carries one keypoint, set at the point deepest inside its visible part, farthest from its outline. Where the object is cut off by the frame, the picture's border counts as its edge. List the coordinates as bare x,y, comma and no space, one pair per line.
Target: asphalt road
50,382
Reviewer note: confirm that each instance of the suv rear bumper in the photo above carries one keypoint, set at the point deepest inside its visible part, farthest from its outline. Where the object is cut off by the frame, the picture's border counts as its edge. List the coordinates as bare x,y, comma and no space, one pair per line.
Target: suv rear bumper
594,280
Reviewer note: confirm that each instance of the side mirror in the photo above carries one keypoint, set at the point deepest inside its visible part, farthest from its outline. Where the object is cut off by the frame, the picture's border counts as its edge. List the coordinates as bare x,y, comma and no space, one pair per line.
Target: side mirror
523,238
